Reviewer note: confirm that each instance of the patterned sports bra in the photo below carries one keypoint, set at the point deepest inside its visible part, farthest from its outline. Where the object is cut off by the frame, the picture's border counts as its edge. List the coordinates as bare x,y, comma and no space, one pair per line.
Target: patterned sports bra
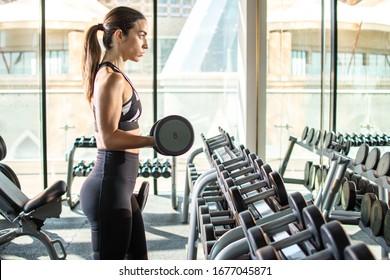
131,109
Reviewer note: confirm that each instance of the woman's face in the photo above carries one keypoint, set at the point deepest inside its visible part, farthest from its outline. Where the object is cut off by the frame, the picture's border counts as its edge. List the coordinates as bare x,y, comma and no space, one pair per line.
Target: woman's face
135,43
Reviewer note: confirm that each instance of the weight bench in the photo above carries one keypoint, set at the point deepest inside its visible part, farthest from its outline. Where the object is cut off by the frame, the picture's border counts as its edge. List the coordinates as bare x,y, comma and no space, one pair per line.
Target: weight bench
27,216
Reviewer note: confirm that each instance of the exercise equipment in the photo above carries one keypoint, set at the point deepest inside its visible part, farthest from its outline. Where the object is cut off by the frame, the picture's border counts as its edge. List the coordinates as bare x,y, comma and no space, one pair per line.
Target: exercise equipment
377,216
365,208
27,215
173,135
312,219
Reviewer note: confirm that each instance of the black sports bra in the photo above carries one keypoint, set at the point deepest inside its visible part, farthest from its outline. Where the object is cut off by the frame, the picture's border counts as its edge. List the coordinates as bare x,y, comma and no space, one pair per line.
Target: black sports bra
131,109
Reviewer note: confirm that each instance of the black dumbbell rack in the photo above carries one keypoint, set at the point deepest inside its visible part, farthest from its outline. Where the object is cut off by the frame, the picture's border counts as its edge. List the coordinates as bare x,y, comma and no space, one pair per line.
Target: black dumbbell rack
72,172
326,202
82,142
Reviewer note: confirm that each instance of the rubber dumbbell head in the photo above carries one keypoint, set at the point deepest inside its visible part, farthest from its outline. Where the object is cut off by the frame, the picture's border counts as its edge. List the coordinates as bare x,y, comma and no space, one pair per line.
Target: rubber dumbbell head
173,135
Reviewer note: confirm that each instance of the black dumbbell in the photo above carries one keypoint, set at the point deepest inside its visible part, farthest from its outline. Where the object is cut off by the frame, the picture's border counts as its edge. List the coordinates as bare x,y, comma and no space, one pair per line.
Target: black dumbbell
310,135
312,219
92,142
238,169
156,168
361,154
372,159
333,236
166,169
350,198
377,216
146,169
365,208
296,203
304,133
358,251
386,228
306,173
331,143
173,135
79,169
89,168
383,168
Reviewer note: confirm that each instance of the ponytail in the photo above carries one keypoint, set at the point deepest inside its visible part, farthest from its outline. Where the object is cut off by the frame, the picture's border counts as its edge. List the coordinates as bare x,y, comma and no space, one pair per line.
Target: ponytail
90,60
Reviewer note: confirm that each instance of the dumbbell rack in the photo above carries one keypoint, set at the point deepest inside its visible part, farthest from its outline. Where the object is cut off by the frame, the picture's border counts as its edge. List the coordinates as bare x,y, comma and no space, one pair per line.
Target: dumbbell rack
327,203
84,142
384,184
78,143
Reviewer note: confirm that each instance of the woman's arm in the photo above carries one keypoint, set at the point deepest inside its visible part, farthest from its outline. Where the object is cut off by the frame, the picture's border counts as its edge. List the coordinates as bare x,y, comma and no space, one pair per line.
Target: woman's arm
108,99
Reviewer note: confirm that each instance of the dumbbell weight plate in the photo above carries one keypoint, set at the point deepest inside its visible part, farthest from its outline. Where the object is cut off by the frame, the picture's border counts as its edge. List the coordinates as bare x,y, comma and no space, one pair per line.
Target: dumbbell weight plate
277,184
361,154
365,208
310,136
304,133
358,251
348,195
329,138
173,135
3,149
373,159
384,165
377,215
267,253
306,173
335,238
313,218
386,228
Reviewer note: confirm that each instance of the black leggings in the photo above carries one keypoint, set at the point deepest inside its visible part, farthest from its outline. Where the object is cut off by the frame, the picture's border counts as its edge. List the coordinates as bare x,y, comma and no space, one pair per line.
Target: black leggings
107,200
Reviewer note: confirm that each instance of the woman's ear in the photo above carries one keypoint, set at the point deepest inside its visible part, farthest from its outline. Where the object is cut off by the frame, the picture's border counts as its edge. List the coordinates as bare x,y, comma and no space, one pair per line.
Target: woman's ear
118,34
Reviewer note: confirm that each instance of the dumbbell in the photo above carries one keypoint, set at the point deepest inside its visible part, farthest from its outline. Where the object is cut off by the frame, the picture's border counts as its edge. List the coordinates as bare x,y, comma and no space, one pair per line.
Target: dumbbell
310,135
365,208
156,168
296,203
334,239
173,135
312,176
312,220
358,251
79,169
89,168
225,141
239,169
377,216
330,143
146,169
166,169
361,154
79,142
306,173
304,133
383,168
386,228
92,142
372,159
349,195
276,188
142,195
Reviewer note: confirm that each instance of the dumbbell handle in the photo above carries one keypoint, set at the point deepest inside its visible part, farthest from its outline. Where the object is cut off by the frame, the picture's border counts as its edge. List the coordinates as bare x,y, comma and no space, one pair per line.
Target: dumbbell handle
275,225
292,239
260,196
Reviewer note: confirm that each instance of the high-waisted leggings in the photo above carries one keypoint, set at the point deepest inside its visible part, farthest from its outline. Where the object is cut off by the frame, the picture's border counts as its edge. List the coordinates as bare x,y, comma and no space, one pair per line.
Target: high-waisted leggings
106,198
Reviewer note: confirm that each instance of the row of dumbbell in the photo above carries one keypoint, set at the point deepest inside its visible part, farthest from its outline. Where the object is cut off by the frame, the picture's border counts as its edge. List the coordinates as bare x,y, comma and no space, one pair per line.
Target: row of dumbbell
218,141
85,142
304,226
311,136
375,214
83,168
245,190
371,159
155,168
353,188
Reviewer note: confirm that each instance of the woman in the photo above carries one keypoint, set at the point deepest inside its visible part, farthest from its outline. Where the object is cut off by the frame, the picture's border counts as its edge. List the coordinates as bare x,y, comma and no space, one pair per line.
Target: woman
106,195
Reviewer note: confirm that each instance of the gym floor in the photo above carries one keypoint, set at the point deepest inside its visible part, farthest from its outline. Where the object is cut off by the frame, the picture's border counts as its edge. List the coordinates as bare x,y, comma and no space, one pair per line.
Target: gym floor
166,235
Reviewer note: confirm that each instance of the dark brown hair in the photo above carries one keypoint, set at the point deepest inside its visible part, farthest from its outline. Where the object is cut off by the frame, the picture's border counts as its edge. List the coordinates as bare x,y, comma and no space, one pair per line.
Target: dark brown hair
123,18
